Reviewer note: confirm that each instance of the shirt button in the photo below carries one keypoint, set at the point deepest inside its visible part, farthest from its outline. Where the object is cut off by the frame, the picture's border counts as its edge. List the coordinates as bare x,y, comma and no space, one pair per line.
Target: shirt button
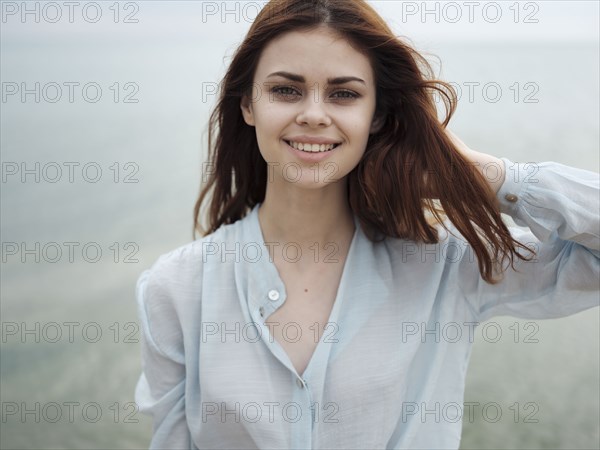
511,198
261,311
300,383
273,295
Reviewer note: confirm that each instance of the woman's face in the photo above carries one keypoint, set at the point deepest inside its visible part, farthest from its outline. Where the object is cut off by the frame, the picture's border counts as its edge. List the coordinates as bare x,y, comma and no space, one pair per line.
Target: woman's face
311,84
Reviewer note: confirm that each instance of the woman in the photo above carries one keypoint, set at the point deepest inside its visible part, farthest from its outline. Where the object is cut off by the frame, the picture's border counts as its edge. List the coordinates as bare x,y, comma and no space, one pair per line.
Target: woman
347,226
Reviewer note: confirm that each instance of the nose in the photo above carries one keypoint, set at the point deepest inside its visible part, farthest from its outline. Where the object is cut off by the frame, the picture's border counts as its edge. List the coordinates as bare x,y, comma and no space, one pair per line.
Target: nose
313,111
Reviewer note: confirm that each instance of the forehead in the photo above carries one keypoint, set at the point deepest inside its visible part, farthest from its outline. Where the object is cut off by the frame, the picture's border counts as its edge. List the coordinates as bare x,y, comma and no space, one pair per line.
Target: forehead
315,54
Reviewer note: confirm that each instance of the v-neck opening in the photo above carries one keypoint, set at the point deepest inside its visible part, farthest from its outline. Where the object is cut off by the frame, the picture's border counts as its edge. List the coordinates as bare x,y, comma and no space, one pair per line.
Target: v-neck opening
334,313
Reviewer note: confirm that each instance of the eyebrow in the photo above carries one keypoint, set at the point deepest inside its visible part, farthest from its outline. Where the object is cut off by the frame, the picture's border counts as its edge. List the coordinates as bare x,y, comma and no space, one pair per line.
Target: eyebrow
301,79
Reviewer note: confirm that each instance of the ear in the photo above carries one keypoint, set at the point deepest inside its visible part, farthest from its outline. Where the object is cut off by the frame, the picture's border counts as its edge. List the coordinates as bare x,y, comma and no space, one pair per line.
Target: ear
377,123
247,112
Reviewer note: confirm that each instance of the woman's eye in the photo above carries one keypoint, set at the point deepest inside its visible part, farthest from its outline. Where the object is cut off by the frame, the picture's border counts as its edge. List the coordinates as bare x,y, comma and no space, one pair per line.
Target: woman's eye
289,92
347,95
284,91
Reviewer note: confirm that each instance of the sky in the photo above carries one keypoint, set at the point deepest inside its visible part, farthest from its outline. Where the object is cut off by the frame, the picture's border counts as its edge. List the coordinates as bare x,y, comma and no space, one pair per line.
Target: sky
224,21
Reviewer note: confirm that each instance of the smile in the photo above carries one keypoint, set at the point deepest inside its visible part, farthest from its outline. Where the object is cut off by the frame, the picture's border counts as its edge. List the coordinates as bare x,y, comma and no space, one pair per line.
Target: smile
311,148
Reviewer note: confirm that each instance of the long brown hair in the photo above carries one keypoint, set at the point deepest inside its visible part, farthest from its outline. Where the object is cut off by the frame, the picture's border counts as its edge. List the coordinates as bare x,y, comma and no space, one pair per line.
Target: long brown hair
387,189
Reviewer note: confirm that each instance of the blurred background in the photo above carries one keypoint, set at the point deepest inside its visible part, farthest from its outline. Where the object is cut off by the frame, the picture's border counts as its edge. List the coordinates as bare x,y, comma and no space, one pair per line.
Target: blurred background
103,134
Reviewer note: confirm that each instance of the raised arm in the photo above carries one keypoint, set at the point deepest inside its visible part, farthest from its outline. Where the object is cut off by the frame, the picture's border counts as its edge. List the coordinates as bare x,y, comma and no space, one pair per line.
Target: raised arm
560,207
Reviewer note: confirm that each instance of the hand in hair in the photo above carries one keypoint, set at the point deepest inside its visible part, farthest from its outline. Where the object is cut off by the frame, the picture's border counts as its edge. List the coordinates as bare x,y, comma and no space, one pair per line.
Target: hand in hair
489,166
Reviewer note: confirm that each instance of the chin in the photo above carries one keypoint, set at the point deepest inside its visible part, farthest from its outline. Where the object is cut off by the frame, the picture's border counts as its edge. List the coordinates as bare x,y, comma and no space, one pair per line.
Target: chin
324,181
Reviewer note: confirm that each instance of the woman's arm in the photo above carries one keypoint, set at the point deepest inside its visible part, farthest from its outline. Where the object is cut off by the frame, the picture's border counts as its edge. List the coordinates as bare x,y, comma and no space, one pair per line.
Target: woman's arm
160,390
560,207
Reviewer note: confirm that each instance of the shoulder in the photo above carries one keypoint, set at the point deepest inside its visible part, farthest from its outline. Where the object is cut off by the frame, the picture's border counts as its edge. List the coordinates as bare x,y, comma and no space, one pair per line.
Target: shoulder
450,246
176,276
169,293
184,263
178,273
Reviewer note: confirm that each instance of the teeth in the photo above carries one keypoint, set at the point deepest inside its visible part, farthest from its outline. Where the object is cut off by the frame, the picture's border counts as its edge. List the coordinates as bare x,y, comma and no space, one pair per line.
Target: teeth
312,148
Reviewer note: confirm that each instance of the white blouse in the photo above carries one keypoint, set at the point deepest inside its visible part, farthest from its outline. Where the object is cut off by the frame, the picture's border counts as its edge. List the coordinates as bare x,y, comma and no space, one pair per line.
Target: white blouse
389,370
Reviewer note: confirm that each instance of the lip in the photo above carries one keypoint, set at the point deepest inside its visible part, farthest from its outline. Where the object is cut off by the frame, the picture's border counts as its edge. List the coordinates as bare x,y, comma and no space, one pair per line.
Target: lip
310,157
312,140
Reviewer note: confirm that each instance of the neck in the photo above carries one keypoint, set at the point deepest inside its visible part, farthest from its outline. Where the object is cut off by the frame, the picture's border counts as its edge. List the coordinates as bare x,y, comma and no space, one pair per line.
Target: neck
290,214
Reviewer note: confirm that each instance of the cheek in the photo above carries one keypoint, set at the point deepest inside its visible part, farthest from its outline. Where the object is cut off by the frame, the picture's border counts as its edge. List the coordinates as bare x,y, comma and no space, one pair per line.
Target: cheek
271,118
266,124
358,124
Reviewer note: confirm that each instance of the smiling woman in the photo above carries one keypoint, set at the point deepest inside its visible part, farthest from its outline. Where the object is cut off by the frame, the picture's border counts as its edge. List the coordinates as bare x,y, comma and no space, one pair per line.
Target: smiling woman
343,215
310,113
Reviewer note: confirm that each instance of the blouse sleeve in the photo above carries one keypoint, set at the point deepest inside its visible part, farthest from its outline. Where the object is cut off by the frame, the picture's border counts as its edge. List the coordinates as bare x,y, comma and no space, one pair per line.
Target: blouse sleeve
160,390
559,206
